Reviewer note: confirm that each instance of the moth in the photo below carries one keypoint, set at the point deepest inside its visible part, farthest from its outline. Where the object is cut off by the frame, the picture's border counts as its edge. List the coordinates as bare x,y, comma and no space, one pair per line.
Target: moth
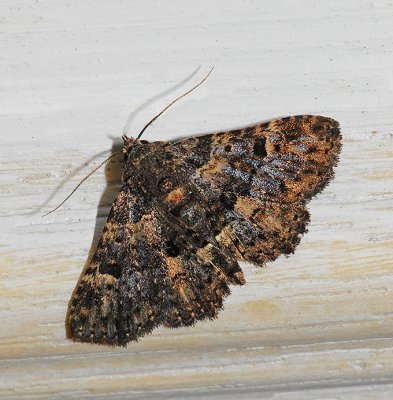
188,211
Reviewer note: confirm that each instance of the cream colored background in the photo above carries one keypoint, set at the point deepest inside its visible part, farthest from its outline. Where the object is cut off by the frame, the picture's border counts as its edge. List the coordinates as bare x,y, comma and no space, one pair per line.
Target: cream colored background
74,74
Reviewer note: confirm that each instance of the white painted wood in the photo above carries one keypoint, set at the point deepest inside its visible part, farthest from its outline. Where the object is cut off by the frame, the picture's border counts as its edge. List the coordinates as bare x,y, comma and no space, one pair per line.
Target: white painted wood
73,74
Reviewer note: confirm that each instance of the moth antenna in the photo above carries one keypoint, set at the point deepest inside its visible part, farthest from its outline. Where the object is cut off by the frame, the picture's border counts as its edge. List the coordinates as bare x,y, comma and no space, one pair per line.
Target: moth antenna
80,183
173,102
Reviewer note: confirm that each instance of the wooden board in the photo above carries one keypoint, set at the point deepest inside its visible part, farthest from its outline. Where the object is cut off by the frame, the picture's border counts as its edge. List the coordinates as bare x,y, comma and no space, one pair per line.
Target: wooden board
76,75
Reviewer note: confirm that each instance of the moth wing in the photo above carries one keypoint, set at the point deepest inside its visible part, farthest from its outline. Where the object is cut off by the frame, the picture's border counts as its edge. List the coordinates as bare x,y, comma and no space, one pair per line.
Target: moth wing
258,180
139,278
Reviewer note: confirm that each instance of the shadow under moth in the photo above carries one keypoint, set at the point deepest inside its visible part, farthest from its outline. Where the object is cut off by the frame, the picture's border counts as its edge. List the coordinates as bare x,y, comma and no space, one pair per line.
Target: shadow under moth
188,211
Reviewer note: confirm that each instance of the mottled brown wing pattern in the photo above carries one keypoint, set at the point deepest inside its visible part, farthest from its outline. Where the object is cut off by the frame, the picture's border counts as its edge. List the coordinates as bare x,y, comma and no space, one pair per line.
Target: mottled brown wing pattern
257,180
143,274
288,159
111,303
187,212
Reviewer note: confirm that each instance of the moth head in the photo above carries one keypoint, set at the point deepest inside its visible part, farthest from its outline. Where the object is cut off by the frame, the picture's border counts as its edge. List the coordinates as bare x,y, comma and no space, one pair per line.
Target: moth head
130,145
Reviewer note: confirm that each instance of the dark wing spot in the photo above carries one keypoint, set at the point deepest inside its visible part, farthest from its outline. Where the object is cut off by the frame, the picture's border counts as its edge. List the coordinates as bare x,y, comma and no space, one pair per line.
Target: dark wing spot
172,249
318,127
110,268
298,118
228,199
282,187
90,270
175,211
260,147
236,132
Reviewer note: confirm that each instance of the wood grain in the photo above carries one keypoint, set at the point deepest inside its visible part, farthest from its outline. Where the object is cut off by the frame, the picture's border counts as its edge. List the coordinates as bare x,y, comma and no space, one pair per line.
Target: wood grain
76,75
